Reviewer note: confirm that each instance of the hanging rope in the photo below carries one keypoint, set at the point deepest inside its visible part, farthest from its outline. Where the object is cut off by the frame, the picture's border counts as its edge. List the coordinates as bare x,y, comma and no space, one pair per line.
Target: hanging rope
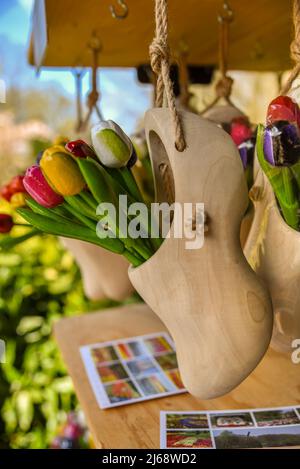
93,96
160,63
78,79
183,74
294,49
224,85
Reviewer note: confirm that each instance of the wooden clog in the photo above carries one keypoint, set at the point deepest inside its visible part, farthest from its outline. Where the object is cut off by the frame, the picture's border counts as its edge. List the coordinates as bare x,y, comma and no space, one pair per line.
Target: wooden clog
215,307
222,114
104,274
273,250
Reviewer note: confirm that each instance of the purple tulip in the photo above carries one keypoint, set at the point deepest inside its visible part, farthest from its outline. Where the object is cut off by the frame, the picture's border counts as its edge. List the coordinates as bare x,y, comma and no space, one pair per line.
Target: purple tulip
282,144
268,147
246,150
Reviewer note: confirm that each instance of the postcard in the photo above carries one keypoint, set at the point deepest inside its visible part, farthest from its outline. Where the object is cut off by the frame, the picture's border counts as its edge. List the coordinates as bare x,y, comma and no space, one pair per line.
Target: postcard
265,428
131,370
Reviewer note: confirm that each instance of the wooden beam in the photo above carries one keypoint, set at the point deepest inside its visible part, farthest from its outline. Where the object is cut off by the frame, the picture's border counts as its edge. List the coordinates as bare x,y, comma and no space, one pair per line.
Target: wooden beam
260,33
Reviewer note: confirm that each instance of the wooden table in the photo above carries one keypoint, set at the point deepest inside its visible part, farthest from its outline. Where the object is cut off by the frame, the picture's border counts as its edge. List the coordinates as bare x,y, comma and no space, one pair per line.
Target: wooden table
275,382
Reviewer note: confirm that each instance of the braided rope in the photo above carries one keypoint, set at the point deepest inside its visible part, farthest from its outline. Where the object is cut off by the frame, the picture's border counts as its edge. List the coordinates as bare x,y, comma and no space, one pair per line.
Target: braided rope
160,63
294,49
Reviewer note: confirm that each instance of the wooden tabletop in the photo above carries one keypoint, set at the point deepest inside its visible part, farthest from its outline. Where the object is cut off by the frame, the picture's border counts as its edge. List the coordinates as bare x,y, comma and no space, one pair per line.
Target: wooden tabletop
275,382
260,34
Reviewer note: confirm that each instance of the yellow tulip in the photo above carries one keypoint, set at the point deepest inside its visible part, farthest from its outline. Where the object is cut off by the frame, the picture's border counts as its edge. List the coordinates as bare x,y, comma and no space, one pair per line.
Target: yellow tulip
62,172
18,200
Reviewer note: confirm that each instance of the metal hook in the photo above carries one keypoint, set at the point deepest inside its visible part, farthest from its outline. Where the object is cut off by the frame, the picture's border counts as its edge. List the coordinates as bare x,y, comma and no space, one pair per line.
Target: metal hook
227,13
124,7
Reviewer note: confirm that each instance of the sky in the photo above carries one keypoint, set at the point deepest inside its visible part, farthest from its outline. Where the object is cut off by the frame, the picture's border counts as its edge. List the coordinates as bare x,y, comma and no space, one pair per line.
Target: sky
15,24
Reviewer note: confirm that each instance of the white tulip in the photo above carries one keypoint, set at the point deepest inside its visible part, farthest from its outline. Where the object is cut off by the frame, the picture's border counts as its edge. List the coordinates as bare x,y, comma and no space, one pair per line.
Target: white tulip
112,146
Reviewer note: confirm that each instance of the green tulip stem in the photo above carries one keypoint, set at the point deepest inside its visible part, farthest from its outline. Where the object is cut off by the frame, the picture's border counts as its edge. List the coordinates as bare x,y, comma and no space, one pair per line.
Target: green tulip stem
86,221
131,184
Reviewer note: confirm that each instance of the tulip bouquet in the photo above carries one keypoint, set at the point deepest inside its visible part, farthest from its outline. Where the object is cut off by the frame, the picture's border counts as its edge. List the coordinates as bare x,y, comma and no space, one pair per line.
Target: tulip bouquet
278,152
69,181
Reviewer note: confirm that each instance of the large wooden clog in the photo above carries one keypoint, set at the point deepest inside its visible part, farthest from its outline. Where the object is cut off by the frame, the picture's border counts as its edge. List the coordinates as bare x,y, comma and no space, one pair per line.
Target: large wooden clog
215,307
273,250
222,114
104,274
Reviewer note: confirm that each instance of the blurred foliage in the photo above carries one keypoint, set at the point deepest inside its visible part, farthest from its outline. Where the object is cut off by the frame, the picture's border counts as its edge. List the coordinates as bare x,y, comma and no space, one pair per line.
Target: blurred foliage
39,284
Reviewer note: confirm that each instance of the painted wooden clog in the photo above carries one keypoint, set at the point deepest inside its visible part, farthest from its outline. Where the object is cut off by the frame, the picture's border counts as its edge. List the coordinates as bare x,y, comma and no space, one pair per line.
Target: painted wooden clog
104,274
273,250
215,307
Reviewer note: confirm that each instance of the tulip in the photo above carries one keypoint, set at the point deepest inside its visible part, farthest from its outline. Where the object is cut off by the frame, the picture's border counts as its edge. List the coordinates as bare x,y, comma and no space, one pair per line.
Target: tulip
16,184
39,157
6,223
55,149
6,192
18,200
283,108
282,144
62,172
79,148
132,160
112,146
240,130
39,189
60,140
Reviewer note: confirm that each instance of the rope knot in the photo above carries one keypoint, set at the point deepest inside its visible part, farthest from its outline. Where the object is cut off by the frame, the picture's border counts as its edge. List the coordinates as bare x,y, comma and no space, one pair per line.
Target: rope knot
159,52
224,87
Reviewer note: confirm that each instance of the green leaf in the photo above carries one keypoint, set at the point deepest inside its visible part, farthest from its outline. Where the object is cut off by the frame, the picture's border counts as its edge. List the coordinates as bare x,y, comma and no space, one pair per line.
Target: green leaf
282,182
70,230
8,242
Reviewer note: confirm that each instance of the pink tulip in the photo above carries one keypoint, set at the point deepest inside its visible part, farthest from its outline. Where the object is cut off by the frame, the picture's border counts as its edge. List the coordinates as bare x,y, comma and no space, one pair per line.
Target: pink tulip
39,189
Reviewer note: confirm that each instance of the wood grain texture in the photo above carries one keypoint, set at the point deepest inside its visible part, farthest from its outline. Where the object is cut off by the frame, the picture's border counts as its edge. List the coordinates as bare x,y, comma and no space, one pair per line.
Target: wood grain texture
260,34
104,273
275,382
273,250
216,308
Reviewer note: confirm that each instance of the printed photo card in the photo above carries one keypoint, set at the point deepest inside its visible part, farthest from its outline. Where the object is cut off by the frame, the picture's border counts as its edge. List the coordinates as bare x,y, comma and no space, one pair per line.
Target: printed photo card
132,370
231,429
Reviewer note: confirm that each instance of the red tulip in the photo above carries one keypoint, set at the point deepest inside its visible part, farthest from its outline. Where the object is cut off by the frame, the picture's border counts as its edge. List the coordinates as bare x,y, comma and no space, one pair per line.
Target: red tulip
39,189
6,192
240,130
79,148
6,223
16,184
283,108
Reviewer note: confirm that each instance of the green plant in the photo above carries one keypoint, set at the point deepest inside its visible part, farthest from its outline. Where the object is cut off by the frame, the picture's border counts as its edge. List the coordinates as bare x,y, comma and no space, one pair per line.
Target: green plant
39,284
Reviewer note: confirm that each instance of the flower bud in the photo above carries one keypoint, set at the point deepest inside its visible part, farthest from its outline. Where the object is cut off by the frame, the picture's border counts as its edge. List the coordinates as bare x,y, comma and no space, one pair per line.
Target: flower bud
60,140
62,173
112,146
240,130
18,200
79,148
16,184
6,192
283,108
6,223
39,189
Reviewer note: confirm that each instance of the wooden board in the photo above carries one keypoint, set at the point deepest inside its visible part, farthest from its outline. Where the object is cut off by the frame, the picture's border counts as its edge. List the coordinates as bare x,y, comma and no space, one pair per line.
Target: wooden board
260,33
275,382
